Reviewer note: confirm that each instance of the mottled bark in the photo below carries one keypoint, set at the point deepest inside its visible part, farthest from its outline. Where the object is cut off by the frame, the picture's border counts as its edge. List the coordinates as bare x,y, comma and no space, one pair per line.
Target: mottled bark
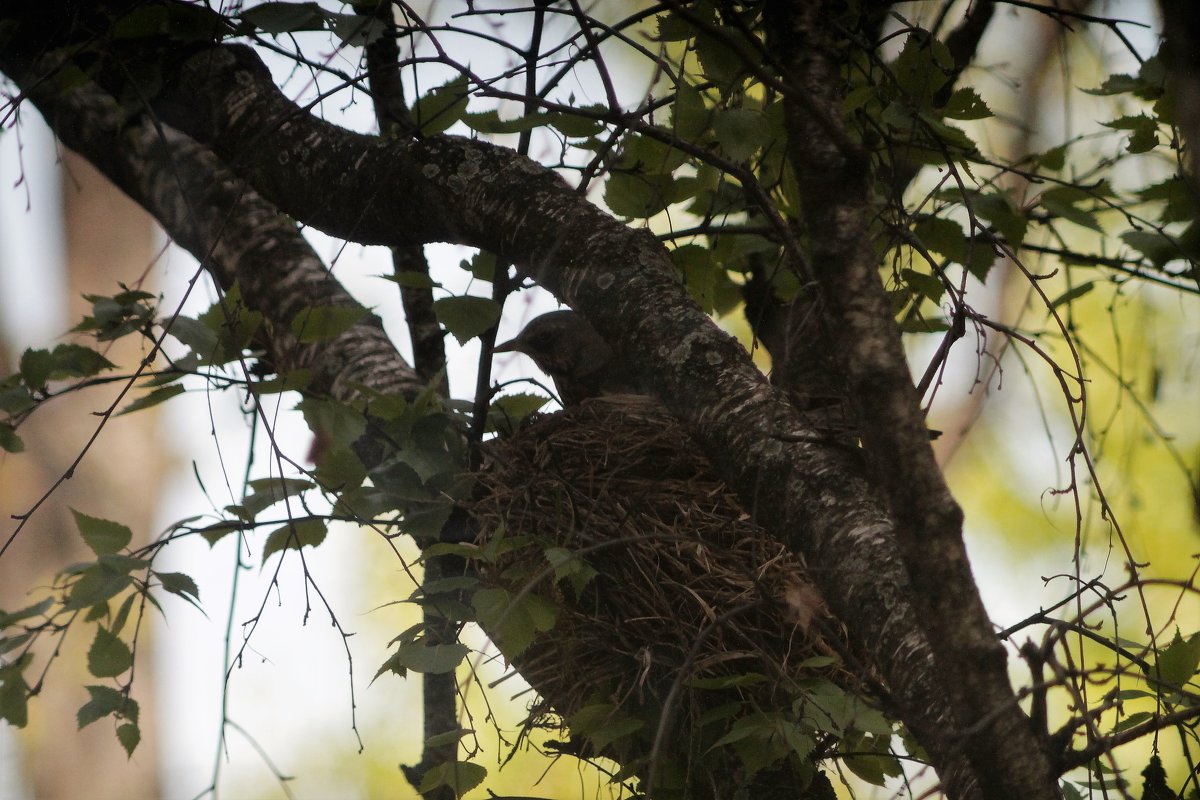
1004,759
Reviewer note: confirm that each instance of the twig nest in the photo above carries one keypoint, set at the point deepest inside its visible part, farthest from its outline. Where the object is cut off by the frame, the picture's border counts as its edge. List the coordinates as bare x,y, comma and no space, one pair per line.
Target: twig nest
670,590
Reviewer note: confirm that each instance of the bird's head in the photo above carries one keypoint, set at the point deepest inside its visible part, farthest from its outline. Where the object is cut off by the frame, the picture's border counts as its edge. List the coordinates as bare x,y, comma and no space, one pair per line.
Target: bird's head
562,344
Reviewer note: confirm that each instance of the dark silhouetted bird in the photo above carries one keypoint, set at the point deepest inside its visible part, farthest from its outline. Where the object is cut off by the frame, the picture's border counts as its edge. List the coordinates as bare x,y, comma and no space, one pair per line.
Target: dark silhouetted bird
567,348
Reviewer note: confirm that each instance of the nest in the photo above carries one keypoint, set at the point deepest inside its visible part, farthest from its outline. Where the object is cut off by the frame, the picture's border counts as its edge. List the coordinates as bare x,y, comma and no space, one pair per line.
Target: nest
689,596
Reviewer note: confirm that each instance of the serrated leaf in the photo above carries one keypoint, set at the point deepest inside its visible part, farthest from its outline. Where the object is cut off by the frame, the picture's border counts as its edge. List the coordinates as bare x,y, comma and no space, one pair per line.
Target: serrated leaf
277,18
65,361
1074,293
437,659
218,531
925,285
674,28
321,323
574,126
308,532
507,411
129,735
1061,203
460,776
441,107
490,122
740,132
15,399
96,585
266,492
875,769
513,622
9,441
155,397
105,701
966,104
179,584
357,30
691,118
1156,247
122,615
108,656
466,317
197,335
14,693
37,609
1176,665
102,535
35,367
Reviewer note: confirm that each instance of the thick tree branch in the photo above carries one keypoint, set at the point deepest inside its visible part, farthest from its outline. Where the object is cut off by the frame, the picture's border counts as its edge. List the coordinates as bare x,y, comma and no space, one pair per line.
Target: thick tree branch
995,734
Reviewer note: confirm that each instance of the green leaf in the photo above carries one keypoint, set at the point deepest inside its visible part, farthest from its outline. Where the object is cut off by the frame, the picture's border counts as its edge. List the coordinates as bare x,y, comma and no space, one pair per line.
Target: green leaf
36,366
1061,203
15,398
922,68
308,532
108,656
1074,293
357,30
180,584
276,18
294,381
14,692
466,317
507,411
1005,217
720,54
437,659
8,618
153,398
105,701
489,122
102,535
603,724
337,421
65,361
197,335
740,132
941,235
441,107
266,492
966,104
513,622
321,323
574,126
1176,665
691,118
9,441
1156,247
218,531
96,585
674,28
482,265
113,317
460,776
874,769
1144,132
129,735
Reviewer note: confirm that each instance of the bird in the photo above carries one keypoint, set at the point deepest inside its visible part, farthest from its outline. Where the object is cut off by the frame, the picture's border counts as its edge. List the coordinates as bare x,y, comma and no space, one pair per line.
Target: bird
566,347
